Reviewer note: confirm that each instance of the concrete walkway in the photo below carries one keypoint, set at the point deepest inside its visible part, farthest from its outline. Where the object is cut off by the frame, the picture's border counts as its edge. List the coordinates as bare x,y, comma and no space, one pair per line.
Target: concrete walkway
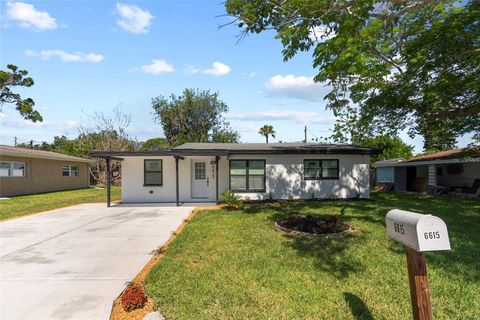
72,263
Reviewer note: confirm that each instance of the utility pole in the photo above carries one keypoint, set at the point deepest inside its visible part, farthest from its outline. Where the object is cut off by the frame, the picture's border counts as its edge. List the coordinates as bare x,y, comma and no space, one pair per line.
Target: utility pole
305,131
15,141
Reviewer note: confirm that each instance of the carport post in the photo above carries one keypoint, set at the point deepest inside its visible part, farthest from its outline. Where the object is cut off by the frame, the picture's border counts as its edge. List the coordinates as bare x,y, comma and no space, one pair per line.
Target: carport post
176,179
108,181
217,158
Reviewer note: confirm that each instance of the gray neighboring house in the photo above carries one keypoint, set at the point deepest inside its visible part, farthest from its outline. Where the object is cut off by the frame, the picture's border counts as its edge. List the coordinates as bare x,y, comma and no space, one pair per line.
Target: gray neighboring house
29,171
456,170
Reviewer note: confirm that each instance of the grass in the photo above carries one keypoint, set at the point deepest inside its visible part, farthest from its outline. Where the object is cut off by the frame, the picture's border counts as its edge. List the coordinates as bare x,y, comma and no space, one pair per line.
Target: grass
236,265
23,205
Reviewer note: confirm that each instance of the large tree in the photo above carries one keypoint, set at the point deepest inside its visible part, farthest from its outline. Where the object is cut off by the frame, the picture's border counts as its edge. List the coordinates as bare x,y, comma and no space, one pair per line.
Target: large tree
391,147
10,78
391,65
194,116
154,144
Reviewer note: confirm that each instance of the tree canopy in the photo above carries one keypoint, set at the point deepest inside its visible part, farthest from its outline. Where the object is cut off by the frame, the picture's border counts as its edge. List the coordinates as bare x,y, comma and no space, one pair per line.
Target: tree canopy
392,147
195,116
391,65
154,144
13,77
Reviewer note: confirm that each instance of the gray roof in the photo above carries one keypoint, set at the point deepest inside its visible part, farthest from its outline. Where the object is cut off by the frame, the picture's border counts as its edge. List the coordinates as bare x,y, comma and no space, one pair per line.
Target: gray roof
277,148
38,154
224,149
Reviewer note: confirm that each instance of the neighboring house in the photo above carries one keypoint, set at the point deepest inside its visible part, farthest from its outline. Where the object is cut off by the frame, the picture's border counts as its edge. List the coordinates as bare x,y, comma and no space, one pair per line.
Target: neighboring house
30,171
456,170
195,172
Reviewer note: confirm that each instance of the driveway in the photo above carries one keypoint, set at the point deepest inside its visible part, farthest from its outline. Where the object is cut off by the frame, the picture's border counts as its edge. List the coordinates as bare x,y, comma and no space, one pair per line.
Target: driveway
72,263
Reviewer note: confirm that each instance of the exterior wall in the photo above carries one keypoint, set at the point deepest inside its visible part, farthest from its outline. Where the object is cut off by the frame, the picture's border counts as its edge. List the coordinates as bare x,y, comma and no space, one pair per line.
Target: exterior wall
284,178
42,175
471,171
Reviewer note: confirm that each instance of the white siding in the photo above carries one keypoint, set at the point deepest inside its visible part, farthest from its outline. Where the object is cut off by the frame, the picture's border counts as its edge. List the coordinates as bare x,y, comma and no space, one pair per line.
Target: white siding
284,178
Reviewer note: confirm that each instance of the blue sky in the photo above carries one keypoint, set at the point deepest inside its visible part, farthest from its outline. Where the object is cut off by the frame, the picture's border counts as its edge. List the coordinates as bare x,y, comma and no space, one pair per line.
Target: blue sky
88,56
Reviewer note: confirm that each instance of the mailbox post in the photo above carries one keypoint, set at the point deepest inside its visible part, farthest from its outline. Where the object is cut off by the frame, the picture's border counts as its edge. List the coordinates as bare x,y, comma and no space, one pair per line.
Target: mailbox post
418,233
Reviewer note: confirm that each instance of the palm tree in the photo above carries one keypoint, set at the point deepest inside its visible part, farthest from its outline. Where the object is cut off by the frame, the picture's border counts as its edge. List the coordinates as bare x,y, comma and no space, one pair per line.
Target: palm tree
267,130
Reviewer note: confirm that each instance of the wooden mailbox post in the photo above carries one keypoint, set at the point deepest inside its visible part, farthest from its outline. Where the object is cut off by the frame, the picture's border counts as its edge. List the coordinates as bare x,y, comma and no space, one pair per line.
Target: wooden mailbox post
418,233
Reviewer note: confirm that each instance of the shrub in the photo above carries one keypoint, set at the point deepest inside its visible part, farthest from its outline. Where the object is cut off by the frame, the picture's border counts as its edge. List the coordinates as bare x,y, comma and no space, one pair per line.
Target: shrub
133,297
290,197
231,200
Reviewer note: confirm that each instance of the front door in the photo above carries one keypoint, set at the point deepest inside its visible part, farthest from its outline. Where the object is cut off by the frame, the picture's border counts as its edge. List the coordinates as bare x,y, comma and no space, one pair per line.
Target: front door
200,180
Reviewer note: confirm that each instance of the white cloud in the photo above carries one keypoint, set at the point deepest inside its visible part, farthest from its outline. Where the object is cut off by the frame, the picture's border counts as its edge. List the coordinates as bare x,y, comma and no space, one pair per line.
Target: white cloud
65,56
29,17
133,19
217,69
300,87
302,117
157,66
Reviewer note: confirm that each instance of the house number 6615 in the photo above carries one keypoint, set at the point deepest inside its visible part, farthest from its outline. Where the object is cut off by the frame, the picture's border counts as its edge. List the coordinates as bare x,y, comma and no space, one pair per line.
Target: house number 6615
431,235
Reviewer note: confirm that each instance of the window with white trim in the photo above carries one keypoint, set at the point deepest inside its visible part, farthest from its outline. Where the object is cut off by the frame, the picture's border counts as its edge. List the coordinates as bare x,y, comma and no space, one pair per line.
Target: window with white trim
70,170
12,169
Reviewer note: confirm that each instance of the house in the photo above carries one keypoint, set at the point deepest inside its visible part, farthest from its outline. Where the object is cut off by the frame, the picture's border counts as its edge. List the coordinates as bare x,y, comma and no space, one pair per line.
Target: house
455,170
30,171
199,172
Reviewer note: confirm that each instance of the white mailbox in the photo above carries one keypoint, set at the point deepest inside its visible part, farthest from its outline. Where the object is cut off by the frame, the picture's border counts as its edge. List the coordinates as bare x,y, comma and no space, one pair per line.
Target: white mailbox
421,232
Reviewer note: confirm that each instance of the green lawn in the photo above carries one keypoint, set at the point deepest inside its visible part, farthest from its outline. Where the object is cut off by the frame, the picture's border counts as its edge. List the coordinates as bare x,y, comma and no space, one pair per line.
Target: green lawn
236,265
22,205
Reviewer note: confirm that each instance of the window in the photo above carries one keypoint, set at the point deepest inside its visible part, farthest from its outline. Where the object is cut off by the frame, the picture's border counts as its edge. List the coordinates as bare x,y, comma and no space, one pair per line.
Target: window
320,169
12,169
153,173
200,169
70,170
247,175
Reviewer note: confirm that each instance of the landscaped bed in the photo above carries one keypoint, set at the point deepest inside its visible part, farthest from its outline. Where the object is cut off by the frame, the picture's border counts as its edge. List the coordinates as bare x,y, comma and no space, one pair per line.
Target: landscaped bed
24,205
239,265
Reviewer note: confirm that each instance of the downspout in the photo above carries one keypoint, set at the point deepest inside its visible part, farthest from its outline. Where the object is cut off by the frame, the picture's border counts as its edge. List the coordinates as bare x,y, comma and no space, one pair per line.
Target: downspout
108,181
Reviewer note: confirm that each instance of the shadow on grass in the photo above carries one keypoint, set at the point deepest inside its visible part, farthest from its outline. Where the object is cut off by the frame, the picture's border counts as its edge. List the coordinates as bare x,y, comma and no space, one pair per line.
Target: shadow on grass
334,255
358,308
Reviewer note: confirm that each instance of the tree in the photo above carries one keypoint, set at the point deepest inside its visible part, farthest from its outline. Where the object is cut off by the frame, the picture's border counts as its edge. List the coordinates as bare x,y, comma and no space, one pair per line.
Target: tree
195,116
392,147
155,144
267,130
391,65
106,132
13,77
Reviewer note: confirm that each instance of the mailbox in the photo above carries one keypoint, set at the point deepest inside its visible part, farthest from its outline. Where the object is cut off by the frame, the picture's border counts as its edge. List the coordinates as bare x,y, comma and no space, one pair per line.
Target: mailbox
420,232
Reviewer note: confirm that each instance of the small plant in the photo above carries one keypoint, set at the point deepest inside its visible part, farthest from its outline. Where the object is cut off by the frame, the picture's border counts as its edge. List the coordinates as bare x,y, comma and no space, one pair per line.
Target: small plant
246,198
231,200
159,250
290,197
312,196
270,196
133,297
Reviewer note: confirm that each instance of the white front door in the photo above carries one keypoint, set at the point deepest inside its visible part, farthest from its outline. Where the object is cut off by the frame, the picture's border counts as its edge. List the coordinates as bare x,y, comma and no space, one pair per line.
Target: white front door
200,179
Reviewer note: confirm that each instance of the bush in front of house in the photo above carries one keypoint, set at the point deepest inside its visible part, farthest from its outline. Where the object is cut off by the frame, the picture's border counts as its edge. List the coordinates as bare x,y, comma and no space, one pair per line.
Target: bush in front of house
230,199
133,297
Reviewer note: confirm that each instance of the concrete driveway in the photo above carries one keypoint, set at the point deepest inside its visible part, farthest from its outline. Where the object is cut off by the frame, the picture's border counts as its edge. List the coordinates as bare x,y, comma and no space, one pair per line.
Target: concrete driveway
72,263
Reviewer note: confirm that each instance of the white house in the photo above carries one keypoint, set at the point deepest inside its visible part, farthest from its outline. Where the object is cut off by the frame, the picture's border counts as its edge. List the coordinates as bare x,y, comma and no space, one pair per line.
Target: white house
200,172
